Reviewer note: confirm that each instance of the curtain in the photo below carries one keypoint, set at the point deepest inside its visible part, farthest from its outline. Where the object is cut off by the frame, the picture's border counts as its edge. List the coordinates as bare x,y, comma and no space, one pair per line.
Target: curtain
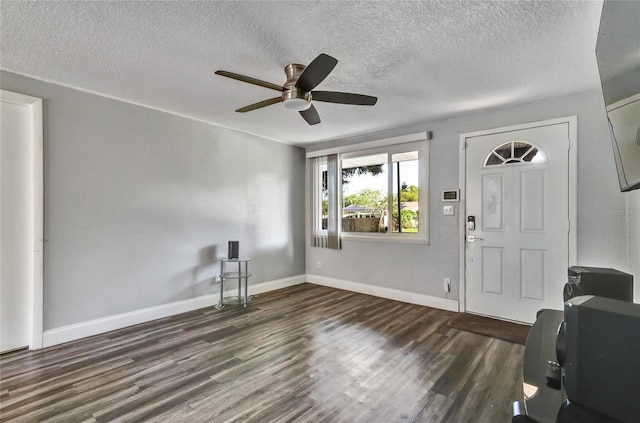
332,238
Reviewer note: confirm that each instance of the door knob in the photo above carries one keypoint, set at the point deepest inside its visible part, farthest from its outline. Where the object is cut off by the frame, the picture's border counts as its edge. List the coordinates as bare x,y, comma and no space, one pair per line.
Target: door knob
473,238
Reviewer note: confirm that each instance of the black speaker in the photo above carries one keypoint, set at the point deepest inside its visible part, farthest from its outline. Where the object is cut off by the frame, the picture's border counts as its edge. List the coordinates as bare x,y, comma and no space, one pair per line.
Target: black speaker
598,281
601,349
234,249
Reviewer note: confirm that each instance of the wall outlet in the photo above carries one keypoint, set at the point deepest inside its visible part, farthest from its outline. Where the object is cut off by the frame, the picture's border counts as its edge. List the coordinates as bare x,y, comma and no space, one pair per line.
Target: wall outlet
447,285
319,264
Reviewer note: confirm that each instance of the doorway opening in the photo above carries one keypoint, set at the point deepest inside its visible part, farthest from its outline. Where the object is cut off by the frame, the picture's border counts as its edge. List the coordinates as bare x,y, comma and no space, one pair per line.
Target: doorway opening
518,188
23,129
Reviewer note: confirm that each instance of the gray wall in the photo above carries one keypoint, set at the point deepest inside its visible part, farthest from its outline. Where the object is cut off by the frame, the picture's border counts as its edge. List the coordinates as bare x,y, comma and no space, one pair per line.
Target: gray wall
603,236
633,216
139,204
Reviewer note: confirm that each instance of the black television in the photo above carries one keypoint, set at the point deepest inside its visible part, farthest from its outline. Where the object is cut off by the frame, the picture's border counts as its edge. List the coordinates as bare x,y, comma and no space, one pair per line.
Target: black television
619,66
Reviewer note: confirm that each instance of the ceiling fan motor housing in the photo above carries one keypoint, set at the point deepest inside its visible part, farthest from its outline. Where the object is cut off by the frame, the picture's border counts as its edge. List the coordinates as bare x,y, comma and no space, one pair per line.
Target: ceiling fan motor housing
294,98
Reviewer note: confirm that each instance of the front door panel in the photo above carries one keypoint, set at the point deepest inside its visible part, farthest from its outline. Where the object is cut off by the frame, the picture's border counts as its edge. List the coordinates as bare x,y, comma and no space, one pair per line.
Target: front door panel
517,189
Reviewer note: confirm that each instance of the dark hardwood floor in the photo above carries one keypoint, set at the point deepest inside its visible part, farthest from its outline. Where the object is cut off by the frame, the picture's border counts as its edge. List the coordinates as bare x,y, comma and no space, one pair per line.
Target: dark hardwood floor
301,354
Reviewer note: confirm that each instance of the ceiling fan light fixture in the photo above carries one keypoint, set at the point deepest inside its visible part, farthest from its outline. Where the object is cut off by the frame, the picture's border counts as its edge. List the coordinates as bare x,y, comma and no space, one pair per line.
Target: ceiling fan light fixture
298,104
295,99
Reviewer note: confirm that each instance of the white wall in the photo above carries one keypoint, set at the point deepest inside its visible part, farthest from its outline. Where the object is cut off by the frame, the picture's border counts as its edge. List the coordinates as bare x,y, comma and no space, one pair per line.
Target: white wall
140,204
633,216
420,269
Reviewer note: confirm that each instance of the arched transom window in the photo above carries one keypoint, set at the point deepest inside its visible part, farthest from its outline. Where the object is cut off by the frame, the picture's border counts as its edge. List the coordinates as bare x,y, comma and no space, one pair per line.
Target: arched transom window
515,152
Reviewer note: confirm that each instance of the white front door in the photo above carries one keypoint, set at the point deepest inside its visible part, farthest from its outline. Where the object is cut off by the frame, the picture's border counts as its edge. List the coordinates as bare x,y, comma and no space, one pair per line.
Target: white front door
517,191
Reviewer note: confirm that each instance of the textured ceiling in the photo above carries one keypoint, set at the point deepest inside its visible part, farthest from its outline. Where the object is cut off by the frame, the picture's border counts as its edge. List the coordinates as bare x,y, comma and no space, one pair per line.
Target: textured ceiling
423,60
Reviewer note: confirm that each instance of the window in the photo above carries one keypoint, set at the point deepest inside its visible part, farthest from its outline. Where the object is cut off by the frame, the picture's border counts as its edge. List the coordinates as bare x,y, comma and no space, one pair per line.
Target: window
515,152
381,193
364,193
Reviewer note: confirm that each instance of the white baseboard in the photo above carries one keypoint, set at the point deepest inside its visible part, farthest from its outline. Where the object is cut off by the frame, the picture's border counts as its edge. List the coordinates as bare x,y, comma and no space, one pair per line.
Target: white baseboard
98,326
389,293
95,327
277,284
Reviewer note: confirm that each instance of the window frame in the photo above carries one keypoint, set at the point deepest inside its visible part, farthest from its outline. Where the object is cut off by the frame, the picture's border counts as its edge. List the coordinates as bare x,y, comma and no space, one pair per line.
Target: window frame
317,196
422,237
518,160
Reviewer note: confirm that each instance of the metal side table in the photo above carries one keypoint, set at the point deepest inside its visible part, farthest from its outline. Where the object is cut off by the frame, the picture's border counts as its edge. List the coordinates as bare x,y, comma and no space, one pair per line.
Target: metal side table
240,273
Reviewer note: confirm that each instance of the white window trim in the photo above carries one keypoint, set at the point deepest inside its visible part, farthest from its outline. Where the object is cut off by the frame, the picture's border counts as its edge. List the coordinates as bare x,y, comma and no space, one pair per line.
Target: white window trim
385,142
422,237
36,223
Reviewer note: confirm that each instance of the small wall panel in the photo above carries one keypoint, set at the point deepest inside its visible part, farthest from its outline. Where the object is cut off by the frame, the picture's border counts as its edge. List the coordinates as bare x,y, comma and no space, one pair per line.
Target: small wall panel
492,270
532,274
492,203
532,201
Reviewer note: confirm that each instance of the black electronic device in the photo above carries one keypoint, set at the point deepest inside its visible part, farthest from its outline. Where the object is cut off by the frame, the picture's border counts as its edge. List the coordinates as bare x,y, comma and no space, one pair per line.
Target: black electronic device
471,223
598,348
545,399
600,281
581,364
234,250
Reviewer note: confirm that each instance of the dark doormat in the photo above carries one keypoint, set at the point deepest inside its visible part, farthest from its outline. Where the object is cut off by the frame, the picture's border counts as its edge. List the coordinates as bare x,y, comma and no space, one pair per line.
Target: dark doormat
508,331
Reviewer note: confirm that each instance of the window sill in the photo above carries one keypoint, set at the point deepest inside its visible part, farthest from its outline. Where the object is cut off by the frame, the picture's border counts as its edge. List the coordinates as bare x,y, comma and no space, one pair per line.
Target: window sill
396,239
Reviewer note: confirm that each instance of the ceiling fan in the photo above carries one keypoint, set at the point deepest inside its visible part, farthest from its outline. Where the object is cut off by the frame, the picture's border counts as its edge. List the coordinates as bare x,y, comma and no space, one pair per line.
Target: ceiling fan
297,94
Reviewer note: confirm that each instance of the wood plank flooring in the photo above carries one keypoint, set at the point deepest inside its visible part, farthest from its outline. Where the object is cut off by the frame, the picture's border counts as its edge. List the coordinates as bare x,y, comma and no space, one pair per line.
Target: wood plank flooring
302,354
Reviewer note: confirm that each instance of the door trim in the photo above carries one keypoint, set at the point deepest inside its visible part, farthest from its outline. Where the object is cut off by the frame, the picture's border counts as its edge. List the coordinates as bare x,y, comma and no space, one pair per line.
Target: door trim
36,229
572,122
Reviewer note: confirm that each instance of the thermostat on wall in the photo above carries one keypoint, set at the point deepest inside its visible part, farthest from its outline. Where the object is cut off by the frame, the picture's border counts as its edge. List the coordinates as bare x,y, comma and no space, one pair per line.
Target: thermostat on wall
451,195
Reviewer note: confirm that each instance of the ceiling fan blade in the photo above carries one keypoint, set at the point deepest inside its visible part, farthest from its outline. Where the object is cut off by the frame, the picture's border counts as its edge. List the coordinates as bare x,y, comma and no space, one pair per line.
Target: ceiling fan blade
260,104
343,98
248,79
310,115
316,72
